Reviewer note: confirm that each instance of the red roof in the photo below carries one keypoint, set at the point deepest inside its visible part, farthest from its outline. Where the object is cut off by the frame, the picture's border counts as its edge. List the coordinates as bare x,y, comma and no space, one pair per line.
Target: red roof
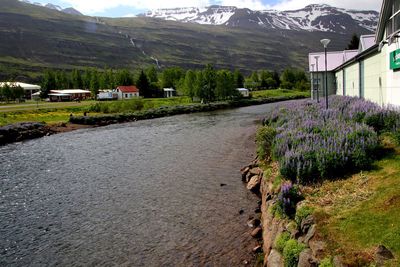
128,89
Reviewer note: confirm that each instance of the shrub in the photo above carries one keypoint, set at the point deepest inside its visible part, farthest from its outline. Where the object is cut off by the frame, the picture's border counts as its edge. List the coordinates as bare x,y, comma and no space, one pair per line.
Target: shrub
302,213
288,197
326,262
264,138
291,252
280,241
313,143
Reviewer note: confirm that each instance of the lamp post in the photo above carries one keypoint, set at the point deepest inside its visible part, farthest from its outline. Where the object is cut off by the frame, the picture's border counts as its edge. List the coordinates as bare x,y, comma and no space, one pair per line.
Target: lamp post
325,43
316,62
312,80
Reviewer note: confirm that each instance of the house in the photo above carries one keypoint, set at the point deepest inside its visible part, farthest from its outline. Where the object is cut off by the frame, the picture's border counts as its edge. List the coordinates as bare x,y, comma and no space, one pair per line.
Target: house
374,72
69,95
169,92
127,92
245,92
29,89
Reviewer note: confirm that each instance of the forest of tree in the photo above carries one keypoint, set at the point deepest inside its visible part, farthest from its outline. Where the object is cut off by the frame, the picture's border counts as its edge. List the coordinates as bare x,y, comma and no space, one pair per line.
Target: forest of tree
207,84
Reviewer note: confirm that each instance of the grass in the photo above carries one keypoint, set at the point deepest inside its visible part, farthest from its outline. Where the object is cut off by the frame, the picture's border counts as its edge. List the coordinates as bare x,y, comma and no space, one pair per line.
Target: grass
278,92
60,111
360,212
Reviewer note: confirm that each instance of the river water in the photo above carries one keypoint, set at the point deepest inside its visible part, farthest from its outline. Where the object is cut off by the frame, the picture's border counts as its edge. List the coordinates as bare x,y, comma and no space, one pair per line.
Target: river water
146,193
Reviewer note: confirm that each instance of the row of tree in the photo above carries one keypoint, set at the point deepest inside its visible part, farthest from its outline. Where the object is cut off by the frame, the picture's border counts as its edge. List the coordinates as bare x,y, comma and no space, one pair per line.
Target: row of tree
208,84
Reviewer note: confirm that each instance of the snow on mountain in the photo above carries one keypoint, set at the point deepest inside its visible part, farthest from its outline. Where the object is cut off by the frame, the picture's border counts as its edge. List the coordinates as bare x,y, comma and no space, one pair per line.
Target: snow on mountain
55,7
311,18
68,10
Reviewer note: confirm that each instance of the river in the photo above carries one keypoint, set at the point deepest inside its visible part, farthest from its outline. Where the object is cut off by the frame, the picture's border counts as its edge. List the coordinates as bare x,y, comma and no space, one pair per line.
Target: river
146,193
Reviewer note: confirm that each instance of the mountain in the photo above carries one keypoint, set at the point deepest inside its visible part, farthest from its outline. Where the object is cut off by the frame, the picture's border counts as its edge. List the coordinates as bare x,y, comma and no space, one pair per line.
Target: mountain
68,10
39,38
311,18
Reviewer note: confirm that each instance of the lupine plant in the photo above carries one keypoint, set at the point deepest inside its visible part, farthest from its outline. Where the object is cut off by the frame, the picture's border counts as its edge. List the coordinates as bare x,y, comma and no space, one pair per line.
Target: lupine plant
313,143
288,197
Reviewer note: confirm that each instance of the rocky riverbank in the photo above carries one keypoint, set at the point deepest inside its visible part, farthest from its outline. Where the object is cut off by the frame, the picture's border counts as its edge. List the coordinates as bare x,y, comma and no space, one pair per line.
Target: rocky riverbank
303,230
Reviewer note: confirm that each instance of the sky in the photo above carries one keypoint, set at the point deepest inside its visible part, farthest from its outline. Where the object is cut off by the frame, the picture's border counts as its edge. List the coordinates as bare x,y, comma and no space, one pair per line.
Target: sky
123,8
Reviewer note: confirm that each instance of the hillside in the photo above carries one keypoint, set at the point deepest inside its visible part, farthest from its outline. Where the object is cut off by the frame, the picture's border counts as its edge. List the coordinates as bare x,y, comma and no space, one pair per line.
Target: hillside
39,38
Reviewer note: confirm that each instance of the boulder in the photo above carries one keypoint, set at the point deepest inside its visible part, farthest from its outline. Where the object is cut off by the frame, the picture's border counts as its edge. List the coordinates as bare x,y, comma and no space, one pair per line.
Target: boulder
310,234
256,171
257,249
318,248
244,172
306,223
306,259
383,254
254,183
274,259
256,233
253,223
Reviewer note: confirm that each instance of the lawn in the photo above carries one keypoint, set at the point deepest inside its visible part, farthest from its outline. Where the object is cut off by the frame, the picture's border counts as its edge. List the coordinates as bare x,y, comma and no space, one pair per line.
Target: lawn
359,213
278,92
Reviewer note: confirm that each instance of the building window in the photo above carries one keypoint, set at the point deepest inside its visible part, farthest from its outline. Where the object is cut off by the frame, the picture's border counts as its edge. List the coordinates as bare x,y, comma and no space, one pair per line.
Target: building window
393,25
126,95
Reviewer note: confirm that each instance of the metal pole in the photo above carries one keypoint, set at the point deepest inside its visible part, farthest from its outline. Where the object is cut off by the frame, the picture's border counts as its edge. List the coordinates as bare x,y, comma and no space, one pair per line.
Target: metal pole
326,79
312,81
316,61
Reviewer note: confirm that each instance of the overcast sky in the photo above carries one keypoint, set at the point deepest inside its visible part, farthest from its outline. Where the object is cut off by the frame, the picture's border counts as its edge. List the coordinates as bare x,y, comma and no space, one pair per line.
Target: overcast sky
120,8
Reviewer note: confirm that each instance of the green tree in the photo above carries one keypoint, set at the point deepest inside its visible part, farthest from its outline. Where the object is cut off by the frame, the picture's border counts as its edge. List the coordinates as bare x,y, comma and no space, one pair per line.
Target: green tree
225,85
239,79
171,76
94,83
5,92
265,75
76,79
48,83
354,42
209,83
152,75
143,85
189,84
124,77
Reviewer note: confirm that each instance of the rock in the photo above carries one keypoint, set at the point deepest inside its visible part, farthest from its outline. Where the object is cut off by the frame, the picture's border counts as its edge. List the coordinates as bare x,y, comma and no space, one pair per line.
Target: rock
253,223
244,172
257,210
256,171
245,262
256,233
292,229
254,183
274,259
338,262
306,259
318,248
383,254
241,212
306,223
222,185
310,234
257,249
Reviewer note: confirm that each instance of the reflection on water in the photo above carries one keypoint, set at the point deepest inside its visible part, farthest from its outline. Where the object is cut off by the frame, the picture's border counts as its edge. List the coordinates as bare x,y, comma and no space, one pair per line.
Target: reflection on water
138,194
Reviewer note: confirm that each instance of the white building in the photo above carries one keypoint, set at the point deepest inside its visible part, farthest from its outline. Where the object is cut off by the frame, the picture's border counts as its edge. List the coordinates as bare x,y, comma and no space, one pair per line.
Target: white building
169,92
244,91
127,92
374,73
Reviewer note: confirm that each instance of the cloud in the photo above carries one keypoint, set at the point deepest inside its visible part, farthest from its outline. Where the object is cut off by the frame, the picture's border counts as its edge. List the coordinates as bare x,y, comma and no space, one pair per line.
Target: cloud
251,4
349,4
90,7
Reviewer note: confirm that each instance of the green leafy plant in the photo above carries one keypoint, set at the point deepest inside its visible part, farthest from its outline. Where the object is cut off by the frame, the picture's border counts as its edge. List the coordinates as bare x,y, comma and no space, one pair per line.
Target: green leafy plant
302,213
280,241
291,252
326,262
264,138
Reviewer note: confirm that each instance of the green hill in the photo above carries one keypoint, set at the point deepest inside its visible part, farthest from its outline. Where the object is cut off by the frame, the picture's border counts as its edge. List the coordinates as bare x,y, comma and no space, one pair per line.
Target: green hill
35,38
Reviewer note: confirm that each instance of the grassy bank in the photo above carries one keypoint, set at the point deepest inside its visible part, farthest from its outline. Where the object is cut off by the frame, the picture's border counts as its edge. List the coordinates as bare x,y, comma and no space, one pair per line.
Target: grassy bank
51,113
345,164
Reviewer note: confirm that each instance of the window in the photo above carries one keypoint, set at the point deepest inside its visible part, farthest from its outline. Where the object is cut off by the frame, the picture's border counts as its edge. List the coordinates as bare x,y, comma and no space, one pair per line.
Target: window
126,95
393,25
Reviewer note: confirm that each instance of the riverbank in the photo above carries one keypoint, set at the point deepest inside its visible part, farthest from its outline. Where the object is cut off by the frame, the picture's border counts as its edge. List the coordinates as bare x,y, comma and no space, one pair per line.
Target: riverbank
29,130
343,218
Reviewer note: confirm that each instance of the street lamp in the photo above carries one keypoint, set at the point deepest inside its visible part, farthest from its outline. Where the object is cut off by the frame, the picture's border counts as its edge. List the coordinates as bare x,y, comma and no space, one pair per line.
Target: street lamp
316,62
325,43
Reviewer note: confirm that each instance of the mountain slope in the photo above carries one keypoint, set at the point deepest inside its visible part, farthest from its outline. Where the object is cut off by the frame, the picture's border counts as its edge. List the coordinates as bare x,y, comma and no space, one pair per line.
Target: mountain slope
40,38
311,18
